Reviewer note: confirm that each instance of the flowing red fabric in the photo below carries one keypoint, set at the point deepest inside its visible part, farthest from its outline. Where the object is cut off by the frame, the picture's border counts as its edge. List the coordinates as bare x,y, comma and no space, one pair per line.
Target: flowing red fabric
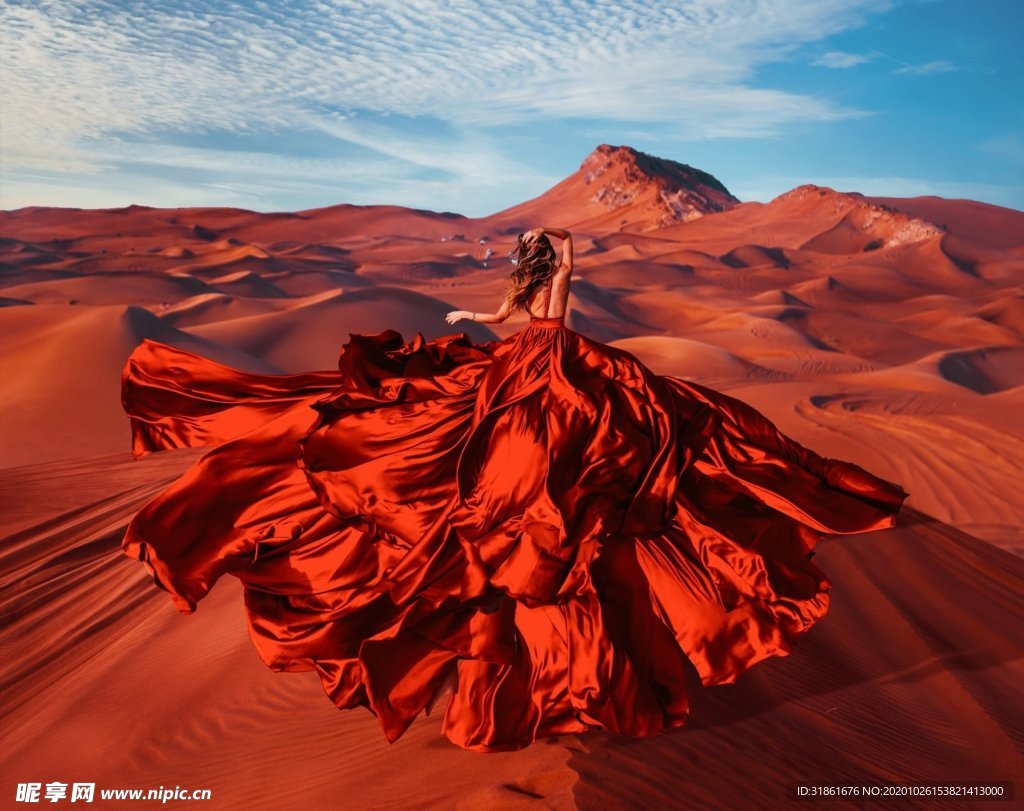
541,522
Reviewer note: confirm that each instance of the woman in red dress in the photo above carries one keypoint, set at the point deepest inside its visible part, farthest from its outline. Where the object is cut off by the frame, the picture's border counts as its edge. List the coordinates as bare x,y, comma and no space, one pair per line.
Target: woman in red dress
540,523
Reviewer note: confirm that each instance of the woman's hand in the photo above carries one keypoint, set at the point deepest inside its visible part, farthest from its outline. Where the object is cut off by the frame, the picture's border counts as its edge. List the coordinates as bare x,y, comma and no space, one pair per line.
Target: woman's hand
457,315
531,236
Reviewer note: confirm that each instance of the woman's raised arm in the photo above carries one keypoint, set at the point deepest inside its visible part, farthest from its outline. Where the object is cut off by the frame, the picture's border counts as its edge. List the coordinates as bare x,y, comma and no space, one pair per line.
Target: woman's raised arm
561,233
564,235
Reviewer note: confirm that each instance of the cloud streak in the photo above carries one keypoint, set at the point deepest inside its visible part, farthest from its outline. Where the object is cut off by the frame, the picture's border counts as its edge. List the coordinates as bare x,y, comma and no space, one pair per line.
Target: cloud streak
840,59
843,59
935,66
74,74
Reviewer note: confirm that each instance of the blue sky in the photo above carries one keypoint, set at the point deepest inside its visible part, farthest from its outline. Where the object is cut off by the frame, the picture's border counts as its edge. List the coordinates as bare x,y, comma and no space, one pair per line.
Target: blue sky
475,105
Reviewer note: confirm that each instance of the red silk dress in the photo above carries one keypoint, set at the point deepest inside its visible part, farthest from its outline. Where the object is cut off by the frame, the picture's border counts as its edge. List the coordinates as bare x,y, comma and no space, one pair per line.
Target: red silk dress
540,522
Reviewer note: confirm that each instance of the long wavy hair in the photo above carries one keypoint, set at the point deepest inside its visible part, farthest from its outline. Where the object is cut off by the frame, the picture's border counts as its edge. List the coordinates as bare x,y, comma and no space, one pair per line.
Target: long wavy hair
535,264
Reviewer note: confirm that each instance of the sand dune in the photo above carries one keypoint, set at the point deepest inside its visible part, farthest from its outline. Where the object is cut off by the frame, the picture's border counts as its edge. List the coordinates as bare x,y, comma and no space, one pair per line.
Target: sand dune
985,369
309,336
213,307
13,276
983,223
639,245
417,268
884,331
631,274
947,326
694,360
776,345
747,256
110,288
1006,311
62,376
783,297
823,291
810,218
963,450
20,254
348,225
673,309
621,189
246,283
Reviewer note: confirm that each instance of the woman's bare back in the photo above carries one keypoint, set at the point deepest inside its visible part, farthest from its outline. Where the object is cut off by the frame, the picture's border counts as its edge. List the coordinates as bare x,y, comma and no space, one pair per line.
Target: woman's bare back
559,301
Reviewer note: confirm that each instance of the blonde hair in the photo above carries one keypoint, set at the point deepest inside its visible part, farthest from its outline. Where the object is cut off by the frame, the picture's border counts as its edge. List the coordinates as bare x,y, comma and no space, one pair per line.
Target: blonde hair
535,264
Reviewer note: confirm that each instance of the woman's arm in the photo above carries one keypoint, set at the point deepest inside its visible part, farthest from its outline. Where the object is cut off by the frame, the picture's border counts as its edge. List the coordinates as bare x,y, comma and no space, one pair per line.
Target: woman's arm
480,318
561,233
566,261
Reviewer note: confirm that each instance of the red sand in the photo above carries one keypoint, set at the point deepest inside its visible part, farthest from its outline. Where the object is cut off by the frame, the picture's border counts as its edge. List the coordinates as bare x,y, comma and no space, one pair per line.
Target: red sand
885,331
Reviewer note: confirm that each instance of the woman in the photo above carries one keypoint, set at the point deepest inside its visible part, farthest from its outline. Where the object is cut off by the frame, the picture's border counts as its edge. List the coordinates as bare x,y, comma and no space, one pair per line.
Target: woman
535,267
540,523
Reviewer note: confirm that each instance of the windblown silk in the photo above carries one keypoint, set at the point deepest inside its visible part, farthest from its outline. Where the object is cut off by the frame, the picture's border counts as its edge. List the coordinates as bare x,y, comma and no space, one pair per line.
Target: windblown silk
540,521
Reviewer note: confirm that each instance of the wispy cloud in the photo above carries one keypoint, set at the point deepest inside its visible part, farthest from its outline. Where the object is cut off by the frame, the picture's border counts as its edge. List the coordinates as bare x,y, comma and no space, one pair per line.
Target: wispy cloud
1009,147
935,66
844,59
840,59
82,80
